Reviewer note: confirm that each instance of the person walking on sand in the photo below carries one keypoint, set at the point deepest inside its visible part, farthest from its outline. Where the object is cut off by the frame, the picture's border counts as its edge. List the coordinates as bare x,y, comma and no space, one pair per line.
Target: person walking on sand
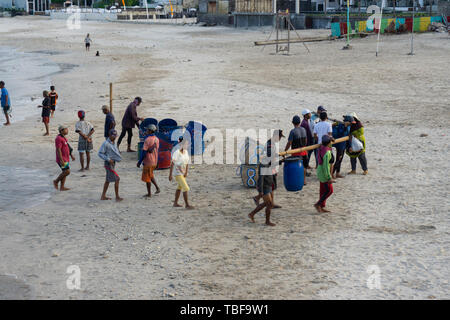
323,127
340,130
87,42
180,161
269,146
356,131
308,124
149,156
53,99
110,122
324,159
110,154
266,180
129,121
5,102
85,145
45,112
298,139
63,155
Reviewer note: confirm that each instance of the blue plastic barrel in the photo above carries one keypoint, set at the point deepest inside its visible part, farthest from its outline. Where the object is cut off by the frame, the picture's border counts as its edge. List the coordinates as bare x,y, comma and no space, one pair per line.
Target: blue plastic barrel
197,142
293,174
140,147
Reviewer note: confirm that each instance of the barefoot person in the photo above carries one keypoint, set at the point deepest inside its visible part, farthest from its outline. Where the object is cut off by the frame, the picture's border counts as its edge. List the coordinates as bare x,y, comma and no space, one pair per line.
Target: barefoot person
308,124
149,156
129,120
87,42
5,102
180,161
266,178
45,111
276,137
63,155
53,99
340,130
109,153
85,131
324,159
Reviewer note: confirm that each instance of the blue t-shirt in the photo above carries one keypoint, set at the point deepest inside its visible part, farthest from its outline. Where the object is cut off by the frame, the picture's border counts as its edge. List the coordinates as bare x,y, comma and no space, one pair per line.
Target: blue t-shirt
339,131
4,94
108,121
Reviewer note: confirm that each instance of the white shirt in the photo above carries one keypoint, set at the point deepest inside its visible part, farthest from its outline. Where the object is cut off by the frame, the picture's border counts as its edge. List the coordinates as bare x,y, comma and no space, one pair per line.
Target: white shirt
84,127
322,128
180,160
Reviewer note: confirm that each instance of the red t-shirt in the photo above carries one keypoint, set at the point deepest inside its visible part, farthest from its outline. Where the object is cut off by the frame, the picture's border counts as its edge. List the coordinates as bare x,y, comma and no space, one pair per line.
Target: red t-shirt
61,143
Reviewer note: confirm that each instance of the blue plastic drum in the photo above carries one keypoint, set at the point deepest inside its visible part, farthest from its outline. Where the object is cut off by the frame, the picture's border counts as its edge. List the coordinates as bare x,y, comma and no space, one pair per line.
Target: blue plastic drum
197,131
293,174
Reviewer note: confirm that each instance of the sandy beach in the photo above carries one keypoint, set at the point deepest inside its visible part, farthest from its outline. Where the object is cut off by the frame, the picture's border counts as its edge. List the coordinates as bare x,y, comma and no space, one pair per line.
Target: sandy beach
396,218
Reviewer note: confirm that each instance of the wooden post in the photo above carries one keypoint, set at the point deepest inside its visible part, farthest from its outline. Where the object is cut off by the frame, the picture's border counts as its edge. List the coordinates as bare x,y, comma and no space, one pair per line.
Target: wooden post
314,146
110,98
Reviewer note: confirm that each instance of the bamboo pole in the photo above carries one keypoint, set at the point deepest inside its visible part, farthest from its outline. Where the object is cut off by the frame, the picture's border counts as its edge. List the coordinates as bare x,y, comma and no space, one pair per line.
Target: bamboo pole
314,146
110,97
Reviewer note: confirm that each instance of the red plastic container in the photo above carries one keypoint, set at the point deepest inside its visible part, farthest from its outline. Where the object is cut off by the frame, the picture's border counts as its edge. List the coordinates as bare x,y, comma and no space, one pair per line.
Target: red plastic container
343,26
164,159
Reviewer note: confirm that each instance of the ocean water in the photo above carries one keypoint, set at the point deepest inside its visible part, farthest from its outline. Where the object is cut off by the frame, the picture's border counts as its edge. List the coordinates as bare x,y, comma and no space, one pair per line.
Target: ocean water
25,75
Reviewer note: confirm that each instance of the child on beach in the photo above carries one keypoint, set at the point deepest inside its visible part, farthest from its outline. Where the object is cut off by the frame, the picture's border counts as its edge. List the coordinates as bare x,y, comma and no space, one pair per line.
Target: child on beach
149,156
53,98
324,159
63,154
45,111
5,102
85,130
110,154
87,42
180,160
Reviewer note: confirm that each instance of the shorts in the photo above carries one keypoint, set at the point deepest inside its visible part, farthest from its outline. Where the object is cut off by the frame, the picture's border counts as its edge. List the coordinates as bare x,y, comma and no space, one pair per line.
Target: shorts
111,174
46,119
88,45
147,173
274,184
268,184
5,108
182,184
65,167
53,108
85,146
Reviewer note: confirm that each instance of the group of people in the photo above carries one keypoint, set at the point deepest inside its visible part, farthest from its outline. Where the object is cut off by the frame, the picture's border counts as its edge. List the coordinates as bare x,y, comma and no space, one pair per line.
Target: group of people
110,154
305,133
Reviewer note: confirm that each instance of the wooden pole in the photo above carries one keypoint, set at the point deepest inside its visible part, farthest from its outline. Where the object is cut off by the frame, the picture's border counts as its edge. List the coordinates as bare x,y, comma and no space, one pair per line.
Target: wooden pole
110,98
314,146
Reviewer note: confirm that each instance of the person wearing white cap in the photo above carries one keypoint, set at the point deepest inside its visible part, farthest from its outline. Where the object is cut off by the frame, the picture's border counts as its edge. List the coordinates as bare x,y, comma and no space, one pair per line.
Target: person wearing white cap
308,124
149,156
63,154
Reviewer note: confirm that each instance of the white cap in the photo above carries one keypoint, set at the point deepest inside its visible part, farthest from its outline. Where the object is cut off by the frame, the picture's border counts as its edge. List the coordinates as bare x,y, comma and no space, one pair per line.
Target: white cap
353,114
305,111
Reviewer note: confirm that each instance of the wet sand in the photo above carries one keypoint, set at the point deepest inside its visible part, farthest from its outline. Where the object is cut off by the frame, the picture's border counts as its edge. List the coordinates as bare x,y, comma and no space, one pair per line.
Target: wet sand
395,218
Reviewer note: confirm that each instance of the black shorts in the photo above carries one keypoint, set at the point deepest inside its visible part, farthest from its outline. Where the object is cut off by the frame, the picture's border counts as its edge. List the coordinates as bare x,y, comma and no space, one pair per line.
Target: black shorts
267,183
53,108
88,45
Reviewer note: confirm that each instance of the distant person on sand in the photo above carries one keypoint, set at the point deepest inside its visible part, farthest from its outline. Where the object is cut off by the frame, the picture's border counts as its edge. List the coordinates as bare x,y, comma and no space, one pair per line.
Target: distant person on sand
110,154
87,42
180,161
45,111
266,179
298,139
308,124
53,99
6,102
129,120
269,146
85,145
324,159
110,122
356,131
149,156
63,155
